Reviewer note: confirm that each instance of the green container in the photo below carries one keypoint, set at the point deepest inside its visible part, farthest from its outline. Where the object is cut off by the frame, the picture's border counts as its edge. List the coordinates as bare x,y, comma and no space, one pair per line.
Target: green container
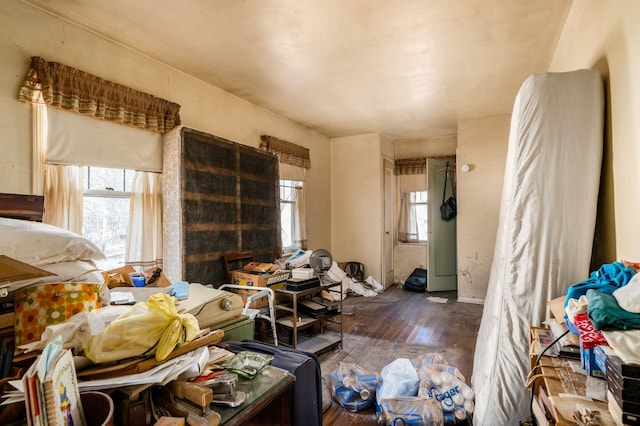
239,329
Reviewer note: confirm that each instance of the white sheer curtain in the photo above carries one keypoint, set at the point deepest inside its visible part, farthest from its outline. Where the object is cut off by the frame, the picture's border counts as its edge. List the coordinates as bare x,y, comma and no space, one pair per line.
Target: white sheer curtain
299,228
63,195
144,239
408,217
408,222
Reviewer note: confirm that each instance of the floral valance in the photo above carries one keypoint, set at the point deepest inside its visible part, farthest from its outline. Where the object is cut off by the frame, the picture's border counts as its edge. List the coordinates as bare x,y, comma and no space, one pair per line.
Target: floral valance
287,152
68,88
411,166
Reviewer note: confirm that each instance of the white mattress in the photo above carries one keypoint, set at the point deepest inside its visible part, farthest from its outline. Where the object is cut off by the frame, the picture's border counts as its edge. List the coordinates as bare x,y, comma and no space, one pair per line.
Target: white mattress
545,231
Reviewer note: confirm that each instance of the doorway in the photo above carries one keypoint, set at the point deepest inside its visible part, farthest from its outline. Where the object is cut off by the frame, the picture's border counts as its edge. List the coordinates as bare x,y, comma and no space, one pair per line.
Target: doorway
387,236
442,249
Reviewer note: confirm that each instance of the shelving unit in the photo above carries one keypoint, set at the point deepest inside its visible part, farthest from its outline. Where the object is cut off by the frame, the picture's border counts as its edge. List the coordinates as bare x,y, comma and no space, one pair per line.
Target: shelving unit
325,328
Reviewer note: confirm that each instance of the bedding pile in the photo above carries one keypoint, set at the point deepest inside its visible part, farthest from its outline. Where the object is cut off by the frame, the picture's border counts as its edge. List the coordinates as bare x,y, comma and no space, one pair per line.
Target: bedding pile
65,254
545,231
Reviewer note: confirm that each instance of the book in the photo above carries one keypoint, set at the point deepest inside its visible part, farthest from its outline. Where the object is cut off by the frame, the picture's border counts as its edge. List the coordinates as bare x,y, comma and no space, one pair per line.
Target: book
31,398
61,394
52,397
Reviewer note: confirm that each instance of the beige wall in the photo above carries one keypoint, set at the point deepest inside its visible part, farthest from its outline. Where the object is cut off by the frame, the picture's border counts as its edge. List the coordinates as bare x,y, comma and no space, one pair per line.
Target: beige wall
407,257
606,36
356,199
482,145
26,32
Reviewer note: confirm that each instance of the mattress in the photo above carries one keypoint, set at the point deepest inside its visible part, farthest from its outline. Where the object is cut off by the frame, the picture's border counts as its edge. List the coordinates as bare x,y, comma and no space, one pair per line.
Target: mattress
545,231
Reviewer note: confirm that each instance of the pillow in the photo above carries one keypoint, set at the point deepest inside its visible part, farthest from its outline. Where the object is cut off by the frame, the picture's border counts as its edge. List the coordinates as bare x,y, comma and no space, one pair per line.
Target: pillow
41,244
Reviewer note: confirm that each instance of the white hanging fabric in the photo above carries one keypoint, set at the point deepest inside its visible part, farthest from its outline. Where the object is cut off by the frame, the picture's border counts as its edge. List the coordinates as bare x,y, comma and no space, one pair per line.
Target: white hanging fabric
545,231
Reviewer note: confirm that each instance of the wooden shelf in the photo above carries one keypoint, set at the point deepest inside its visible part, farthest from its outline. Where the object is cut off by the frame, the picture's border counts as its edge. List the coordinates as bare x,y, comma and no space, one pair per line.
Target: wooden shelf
319,341
303,321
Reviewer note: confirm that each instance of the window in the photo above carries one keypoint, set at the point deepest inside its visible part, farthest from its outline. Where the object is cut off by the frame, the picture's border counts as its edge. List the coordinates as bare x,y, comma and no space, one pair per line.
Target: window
106,201
292,215
413,217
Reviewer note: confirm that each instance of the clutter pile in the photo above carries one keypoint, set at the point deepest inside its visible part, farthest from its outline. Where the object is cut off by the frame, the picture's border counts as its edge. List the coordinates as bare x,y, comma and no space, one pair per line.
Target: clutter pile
423,391
353,282
604,311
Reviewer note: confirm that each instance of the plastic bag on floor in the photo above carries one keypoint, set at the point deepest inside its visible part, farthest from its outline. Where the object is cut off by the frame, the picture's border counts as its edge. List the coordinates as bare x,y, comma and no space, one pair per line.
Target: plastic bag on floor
409,411
398,379
410,392
446,385
149,327
353,387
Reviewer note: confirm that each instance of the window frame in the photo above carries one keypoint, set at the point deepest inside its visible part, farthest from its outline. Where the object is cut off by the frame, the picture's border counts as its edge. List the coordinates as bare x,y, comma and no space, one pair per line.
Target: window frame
292,184
413,204
107,193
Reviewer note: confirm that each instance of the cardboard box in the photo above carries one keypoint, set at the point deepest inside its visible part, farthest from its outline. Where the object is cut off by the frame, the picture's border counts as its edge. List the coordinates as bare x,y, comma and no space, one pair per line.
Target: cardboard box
120,277
273,280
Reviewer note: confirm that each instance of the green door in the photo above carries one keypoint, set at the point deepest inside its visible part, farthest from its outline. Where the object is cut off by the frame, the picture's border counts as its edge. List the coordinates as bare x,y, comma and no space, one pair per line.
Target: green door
442,268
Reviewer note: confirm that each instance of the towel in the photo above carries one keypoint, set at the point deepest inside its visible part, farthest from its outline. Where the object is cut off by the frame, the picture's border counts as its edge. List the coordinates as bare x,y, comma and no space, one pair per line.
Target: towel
605,313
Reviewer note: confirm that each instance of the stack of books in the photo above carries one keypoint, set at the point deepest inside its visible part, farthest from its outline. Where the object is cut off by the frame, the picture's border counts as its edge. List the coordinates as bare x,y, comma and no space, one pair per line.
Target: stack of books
51,389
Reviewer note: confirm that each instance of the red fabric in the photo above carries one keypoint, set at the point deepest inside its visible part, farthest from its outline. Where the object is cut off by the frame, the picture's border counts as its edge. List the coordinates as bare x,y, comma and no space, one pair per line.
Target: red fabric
589,336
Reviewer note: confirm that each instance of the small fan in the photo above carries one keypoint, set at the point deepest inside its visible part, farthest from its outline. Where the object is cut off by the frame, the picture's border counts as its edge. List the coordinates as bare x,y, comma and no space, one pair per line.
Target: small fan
321,261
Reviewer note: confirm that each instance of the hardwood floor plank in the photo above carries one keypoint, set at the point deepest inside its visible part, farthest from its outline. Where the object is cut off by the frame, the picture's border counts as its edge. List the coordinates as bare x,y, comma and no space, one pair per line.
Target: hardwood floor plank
399,324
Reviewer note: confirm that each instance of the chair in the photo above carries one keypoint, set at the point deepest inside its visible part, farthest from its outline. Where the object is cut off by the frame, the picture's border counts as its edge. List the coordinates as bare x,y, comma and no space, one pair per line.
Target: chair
235,260
266,313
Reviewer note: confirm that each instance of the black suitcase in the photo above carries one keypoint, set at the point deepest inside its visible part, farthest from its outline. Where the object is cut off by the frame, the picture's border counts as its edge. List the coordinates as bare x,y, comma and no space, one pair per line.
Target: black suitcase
417,281
306,404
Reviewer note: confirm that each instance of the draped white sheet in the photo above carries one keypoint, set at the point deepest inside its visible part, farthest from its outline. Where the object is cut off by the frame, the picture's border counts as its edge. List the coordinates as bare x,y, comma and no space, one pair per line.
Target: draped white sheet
545,232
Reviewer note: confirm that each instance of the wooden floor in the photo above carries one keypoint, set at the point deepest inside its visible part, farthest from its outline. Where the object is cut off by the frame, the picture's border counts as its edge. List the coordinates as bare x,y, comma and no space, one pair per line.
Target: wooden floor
399,324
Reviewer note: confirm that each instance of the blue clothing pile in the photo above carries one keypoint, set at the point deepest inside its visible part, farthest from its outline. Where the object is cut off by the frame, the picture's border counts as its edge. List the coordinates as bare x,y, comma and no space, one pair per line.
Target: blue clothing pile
607,279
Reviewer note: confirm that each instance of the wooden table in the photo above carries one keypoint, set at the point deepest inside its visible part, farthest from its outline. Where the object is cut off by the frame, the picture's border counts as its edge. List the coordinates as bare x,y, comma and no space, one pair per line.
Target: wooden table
268,400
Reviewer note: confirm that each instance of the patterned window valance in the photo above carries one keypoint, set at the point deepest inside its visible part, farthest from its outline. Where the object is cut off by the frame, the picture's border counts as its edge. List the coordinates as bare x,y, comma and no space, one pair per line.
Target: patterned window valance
411,166
68,88
287,152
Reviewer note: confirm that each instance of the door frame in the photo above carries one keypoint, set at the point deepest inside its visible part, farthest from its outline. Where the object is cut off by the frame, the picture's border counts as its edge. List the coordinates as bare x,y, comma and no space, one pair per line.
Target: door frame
388,229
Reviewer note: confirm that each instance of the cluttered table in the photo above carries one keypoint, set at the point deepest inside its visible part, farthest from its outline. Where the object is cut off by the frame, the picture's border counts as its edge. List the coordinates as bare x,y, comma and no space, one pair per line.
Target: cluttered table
267,394
138,382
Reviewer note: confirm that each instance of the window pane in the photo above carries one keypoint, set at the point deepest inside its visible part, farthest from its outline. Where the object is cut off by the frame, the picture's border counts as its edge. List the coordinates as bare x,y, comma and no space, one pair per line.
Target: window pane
288,212
100,178
421,218
128,179
286,224
106,222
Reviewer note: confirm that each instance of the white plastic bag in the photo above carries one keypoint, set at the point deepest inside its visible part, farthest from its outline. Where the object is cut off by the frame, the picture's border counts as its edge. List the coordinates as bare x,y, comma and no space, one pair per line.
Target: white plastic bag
398,379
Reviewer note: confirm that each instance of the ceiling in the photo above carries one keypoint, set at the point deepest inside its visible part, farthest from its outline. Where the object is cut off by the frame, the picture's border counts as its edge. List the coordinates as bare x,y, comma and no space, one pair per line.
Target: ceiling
407,69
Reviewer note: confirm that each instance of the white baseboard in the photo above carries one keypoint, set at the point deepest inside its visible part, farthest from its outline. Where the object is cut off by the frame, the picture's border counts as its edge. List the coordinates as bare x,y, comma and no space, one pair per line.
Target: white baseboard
474,300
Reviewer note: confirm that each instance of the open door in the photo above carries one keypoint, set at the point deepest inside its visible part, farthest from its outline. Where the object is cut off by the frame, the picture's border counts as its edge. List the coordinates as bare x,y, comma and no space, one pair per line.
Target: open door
442,269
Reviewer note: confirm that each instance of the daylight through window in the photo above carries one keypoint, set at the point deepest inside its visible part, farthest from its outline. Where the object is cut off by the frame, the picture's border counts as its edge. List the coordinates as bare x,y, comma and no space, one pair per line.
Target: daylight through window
290,191
107,195
413,217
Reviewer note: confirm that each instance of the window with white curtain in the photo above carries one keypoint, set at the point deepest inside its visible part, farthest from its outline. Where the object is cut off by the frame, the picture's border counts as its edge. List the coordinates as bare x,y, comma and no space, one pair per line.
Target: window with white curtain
413,213
413,217
105,205
292,215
